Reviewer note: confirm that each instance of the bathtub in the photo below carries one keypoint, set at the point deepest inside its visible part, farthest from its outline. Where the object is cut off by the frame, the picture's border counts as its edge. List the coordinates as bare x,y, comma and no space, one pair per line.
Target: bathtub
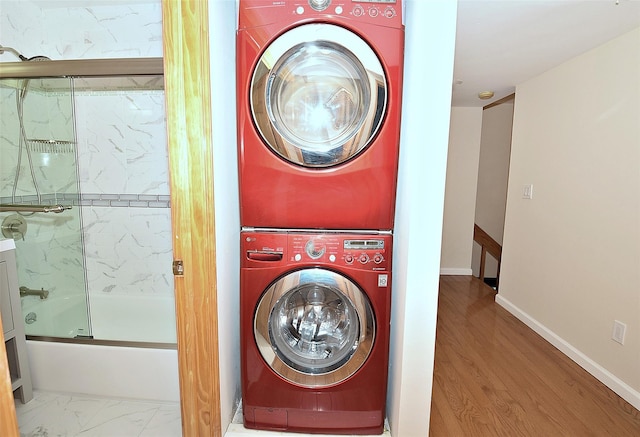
106,371
126,360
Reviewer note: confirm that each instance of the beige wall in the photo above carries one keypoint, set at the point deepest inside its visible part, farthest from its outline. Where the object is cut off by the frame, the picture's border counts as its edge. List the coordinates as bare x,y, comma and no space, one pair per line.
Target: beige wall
571,260
460,191
493,174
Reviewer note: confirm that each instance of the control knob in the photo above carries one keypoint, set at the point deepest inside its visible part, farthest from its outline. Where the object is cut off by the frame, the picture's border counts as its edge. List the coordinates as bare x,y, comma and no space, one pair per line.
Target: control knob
313,251
319,5
364,258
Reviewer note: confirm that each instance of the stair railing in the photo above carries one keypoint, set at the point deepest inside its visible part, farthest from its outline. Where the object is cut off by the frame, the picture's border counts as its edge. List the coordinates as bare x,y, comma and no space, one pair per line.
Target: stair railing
488,245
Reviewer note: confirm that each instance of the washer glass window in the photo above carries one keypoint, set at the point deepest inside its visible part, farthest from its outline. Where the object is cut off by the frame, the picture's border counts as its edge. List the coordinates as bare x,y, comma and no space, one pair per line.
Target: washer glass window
314,327
318,95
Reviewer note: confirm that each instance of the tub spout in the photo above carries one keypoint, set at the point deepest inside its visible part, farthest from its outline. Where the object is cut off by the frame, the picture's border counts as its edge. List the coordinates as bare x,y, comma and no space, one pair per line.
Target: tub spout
25,291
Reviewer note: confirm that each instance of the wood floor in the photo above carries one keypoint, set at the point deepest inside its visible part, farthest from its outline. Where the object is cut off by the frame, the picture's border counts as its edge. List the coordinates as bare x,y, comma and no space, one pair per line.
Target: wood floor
496,377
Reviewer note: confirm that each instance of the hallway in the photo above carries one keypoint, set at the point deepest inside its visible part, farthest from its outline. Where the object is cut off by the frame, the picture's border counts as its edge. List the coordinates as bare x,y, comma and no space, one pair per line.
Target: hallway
494,376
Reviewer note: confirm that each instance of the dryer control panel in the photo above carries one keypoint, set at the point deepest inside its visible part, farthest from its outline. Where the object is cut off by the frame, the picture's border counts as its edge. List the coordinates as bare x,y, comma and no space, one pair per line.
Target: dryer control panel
362,9
380,12
366,252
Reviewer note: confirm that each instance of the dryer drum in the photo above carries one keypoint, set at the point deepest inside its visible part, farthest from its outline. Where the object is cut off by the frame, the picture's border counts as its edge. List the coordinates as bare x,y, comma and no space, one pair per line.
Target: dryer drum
320,102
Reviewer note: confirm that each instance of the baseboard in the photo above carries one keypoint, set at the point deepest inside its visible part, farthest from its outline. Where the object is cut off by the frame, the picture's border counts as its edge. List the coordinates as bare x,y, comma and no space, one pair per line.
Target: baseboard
456,272
600,373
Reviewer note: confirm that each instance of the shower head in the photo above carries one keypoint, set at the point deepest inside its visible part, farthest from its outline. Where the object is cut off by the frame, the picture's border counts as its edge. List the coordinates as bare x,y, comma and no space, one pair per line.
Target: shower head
37,58
14,51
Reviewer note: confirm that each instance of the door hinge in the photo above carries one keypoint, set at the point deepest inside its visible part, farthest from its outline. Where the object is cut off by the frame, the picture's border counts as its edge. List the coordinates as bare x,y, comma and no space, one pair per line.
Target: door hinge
178,267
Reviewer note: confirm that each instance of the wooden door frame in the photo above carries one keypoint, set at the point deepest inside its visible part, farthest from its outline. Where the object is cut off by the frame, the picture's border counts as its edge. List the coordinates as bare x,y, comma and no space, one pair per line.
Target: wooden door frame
185,26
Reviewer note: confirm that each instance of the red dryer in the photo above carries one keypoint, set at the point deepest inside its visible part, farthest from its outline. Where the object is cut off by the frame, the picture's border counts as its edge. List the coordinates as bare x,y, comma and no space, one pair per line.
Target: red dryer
314,330
319,91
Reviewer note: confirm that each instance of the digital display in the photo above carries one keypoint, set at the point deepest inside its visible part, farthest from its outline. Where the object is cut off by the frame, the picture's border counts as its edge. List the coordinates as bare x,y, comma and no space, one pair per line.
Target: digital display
374,1
363,244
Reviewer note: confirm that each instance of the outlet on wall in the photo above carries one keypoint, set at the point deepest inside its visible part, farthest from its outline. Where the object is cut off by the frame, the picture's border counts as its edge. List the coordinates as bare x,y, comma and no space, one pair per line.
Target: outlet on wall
619,330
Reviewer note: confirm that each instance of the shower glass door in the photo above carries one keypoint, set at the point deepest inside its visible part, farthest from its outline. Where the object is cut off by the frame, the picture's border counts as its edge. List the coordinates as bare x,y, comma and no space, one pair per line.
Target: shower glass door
39,204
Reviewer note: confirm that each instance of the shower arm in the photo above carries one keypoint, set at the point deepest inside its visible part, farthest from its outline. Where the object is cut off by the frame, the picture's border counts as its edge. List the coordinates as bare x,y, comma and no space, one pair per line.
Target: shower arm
34,208
14,51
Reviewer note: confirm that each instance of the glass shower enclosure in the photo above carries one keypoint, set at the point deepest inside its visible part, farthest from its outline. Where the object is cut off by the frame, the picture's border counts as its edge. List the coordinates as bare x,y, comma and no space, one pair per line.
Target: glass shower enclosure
84,194
39,198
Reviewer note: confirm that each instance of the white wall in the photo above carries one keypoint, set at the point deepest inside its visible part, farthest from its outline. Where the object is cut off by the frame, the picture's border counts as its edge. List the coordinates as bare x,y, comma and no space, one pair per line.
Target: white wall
493,175
222,31
571,263
460,191
430,40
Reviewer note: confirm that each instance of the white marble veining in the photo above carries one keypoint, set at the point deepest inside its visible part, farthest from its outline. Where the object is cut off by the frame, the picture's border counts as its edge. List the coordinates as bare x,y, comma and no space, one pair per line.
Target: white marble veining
122,142
55,414
128,250
101,30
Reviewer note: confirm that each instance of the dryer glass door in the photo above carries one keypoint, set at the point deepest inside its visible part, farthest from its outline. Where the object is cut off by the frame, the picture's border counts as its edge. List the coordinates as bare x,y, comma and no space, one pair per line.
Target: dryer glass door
314,327
318,95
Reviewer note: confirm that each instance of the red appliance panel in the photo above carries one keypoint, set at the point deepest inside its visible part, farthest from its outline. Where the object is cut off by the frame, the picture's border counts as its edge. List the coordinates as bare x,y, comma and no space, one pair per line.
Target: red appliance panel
358,194
354,406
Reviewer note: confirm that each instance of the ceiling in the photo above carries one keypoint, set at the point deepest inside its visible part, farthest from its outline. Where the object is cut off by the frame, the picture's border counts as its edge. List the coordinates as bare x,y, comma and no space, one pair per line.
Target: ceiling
502,43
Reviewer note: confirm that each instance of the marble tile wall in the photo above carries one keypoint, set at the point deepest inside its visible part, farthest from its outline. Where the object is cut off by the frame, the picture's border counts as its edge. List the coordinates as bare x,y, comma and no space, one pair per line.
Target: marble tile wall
121,141
67,29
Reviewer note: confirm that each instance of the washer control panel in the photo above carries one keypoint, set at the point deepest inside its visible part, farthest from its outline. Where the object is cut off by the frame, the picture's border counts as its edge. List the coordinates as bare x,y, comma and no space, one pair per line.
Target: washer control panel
370,252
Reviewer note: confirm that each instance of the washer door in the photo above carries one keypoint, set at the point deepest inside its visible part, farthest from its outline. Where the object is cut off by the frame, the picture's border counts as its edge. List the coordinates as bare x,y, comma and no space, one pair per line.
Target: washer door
318,95
314,327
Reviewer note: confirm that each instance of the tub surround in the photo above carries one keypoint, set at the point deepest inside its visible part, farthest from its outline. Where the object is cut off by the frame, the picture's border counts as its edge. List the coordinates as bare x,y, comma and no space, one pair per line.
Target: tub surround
111,371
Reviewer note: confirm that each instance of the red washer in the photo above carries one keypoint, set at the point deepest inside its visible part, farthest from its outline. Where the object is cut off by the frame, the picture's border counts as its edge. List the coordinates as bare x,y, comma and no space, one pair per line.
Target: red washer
318,90
314,329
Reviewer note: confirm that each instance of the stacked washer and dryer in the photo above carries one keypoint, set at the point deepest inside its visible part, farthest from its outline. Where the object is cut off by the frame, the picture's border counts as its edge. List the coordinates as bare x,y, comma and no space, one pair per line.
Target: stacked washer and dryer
319,89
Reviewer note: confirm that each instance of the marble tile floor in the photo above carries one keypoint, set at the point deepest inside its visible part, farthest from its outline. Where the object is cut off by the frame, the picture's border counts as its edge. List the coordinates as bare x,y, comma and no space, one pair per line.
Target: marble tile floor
68,415
65,415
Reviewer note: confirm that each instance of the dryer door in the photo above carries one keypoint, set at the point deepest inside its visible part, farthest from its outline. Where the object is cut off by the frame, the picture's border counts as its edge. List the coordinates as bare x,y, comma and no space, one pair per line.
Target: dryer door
318,95
314,327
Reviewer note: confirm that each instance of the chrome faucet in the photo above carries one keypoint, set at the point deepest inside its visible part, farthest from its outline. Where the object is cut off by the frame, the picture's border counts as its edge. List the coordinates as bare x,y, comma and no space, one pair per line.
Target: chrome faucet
25,291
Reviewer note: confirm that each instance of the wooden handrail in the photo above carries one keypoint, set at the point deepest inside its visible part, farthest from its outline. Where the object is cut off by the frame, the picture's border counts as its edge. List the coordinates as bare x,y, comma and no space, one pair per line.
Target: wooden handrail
489,245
